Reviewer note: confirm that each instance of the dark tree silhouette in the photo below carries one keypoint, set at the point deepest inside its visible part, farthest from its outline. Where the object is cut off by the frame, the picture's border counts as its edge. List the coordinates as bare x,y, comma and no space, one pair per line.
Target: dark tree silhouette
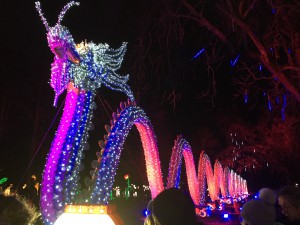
269,144
246,150
259,39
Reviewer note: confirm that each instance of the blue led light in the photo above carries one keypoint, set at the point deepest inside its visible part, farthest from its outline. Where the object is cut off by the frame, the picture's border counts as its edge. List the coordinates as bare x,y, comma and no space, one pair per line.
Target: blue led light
199,53
234,61
146,212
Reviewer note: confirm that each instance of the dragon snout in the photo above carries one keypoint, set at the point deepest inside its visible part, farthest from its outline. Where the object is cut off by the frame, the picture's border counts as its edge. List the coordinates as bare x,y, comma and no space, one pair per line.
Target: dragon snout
62,51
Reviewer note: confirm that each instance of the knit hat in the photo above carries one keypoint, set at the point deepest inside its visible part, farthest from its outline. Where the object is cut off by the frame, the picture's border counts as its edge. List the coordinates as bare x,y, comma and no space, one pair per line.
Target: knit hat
260,211
173,207
267,195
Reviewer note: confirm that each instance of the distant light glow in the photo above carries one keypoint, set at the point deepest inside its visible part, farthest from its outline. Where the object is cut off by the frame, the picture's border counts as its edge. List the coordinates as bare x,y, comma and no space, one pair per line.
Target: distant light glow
269,104
283,107
146,212
225,216
246,96
3,180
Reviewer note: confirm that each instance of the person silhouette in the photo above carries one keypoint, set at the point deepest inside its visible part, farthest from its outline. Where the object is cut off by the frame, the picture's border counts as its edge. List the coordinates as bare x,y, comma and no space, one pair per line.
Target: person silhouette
171,207
260,211
289,201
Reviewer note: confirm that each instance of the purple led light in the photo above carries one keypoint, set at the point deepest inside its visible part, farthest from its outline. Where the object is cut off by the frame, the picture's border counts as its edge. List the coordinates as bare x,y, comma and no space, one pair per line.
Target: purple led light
47,193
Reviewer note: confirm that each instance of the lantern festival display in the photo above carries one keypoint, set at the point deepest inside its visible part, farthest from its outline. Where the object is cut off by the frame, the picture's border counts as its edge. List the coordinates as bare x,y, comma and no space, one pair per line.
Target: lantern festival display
81,69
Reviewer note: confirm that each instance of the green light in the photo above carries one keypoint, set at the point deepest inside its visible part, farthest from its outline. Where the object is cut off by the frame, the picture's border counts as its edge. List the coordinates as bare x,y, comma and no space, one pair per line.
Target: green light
3,180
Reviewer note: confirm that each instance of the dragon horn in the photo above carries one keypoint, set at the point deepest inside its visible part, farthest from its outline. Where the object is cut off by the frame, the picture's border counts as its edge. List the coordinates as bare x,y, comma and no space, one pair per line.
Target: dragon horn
65,9
38,8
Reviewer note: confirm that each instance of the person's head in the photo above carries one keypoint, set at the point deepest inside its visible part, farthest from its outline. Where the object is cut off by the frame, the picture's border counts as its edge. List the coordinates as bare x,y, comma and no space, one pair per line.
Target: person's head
14,211
289,201
260,211
171,207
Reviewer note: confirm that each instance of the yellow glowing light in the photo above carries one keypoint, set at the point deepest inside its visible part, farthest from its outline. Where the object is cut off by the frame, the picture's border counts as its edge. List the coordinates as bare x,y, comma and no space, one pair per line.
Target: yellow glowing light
89,214
86,209
79,219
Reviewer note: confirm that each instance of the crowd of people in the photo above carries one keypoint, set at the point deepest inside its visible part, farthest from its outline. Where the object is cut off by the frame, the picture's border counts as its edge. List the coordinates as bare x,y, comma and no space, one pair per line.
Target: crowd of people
176,207
270,209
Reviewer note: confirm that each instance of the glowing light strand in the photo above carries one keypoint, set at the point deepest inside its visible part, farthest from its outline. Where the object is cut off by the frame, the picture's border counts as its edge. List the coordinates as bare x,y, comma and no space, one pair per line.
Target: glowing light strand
191,172
111,155
47,191
234,61
217,179
64,155
175,165
201,178
79,143
199,53
183,149
65,9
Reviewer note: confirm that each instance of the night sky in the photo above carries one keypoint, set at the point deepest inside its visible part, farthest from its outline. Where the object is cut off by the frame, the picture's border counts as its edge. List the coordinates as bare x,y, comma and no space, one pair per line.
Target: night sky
28,119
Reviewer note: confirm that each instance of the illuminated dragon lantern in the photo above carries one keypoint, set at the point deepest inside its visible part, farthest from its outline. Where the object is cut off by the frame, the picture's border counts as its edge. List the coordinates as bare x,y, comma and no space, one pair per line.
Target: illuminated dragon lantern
87,65
81,69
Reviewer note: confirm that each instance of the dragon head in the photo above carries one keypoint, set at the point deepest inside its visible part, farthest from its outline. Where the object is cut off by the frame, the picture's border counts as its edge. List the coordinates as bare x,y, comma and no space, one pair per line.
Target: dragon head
59,37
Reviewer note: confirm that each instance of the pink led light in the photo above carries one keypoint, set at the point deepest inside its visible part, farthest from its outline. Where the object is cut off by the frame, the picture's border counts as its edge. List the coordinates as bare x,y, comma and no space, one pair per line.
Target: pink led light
175,163
218,179
191,175
210,179
152,158
47,193
221,176
201,178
